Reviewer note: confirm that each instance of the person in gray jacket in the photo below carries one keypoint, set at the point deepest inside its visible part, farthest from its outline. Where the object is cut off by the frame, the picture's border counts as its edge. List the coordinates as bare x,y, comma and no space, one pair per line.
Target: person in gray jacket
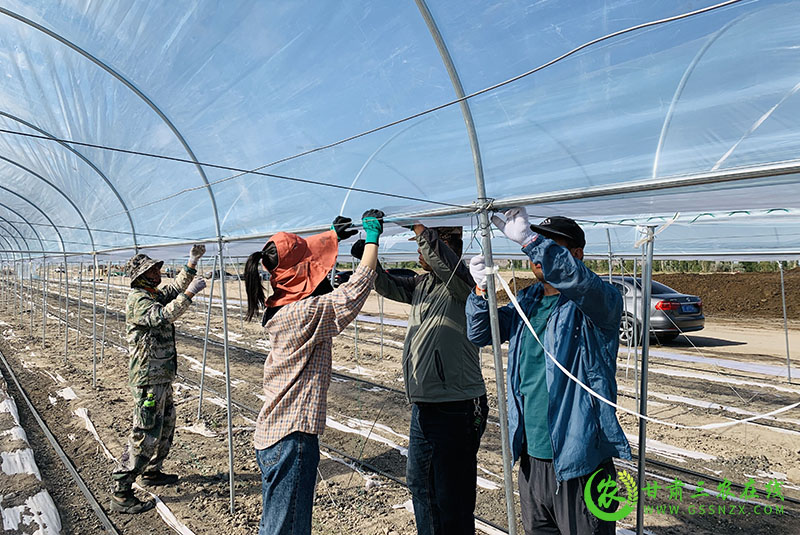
443,381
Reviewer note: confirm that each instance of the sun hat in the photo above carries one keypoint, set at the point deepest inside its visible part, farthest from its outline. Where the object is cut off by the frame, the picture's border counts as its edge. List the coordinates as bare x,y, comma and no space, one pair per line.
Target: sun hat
139,264
303,263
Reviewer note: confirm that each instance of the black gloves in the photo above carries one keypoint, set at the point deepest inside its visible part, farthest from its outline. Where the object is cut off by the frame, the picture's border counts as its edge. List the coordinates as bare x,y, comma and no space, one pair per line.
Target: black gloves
357,250
343,227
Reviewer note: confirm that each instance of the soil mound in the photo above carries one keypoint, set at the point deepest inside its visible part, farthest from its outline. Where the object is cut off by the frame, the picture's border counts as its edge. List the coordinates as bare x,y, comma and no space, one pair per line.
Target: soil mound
734,295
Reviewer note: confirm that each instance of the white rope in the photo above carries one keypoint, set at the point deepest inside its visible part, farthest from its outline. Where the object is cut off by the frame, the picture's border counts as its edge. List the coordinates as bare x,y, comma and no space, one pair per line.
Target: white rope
513,298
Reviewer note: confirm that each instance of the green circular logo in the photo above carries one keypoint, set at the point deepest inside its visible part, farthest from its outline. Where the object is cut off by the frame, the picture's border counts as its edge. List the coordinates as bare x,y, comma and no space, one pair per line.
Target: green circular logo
607,492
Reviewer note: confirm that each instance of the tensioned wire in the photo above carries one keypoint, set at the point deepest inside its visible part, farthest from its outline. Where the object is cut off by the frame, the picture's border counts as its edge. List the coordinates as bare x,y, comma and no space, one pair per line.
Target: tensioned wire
107,231
495,272
716,366
257,171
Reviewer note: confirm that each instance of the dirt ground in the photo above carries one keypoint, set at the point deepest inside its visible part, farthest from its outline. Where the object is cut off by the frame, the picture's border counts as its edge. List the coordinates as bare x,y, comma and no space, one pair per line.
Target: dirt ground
727,295
370,421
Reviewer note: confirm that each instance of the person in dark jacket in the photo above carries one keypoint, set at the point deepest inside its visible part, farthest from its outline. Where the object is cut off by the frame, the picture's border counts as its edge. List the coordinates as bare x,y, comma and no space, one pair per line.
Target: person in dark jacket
560,434
443,381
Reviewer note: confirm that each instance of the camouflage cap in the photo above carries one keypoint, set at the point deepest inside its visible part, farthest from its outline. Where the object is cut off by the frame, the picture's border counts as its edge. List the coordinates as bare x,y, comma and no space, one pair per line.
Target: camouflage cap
139,264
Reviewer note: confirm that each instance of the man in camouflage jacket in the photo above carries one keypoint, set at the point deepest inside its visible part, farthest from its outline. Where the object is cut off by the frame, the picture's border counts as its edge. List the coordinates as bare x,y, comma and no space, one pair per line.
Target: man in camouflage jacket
149,316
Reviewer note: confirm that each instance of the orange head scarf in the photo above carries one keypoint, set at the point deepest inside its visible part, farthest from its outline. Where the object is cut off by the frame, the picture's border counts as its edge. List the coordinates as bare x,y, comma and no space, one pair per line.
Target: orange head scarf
302,265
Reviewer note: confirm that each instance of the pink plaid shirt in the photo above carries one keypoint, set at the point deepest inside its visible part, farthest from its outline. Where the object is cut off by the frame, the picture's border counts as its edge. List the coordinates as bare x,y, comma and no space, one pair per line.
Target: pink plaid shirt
297,372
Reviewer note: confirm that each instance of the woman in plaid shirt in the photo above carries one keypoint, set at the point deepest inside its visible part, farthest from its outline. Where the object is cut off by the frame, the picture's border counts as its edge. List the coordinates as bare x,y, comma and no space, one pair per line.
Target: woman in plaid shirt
302,315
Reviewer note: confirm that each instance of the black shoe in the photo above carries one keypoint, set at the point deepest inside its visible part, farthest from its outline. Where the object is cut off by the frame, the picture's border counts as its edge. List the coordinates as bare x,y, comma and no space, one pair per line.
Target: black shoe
157,479
129,504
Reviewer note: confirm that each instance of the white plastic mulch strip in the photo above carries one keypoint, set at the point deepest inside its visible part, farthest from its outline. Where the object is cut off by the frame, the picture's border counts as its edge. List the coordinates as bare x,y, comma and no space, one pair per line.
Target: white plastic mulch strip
197,366
386,321
408,505
486,528
752,367
591,392
37,510
167,515
16,433
83,414
357,370
67,393
8,405
669,451
164,512
483,527
348,464
357,428
707,405
370,430
19,462
199,428
717,378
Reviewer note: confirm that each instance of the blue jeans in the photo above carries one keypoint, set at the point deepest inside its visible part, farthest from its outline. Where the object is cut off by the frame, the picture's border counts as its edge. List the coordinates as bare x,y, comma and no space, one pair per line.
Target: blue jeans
442,464
288,475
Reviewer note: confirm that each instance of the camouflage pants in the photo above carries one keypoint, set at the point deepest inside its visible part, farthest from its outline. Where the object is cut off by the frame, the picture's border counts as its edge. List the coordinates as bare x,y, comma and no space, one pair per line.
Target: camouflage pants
151,437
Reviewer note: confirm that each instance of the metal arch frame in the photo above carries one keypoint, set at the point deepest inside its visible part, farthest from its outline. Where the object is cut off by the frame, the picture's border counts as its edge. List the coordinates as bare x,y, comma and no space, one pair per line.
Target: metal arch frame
94,262
19,250
466,112
38,237
32,225
10,234
110,70
7,253
372,157
682,85
30,257
44,214
88,162
63,249
67,197
203,176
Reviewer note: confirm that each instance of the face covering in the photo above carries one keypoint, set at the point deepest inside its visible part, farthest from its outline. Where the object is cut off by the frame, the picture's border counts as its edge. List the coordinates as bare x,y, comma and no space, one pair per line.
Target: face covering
153,280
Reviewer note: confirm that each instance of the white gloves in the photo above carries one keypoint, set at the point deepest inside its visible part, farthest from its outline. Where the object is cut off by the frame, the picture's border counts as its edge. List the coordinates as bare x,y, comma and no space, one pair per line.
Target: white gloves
196,286
197,252
477,268
516,226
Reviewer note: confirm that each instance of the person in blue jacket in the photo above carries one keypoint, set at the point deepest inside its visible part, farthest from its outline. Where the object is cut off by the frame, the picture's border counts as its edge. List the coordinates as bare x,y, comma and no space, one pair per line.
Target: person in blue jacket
559,432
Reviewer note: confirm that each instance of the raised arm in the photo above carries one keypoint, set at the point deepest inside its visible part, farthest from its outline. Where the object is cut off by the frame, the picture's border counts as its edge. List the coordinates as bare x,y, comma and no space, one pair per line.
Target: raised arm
445,264
395,287
599,300
143,309
565,271
185,277
343,304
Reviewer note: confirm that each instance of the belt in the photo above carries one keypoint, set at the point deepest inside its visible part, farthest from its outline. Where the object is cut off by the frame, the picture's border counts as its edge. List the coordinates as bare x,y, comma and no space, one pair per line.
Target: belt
462,404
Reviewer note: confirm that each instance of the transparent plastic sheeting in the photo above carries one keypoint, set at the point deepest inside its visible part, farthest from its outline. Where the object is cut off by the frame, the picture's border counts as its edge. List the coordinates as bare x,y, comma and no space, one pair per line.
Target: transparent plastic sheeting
739,235
248,83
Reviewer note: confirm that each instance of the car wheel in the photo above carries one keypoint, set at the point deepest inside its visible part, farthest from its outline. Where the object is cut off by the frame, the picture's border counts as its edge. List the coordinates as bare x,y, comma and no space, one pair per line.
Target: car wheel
626,328
665,338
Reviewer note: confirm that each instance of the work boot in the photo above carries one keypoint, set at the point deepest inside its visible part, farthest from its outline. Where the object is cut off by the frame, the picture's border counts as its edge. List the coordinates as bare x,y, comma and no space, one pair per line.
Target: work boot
126,502
157,479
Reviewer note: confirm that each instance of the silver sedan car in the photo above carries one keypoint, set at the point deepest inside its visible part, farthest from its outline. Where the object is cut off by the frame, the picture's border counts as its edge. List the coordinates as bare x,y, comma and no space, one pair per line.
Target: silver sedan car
671,312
